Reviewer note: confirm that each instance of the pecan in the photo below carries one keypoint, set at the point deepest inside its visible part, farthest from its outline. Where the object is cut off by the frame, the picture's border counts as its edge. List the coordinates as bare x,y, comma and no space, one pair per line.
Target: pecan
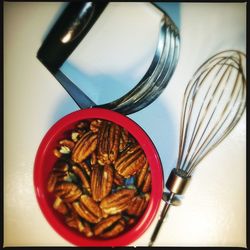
67,143
118,201
83,227
138,204
88,209
71,209
123,139
101,181
51,183
84,147
95,125
132,140
60,206
67,191
71,196
63,177
64,150
59,173
76,135
71,221
61,166
93,159
114,230
108,143
83,125
131,160
57,153
147,183
65,147
110,227
118,179
85,167
82,176
143,180
60,170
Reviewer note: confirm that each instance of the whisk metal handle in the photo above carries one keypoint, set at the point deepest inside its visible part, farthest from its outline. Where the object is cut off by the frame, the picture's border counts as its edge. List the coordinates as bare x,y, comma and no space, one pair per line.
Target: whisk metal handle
161,219
176,184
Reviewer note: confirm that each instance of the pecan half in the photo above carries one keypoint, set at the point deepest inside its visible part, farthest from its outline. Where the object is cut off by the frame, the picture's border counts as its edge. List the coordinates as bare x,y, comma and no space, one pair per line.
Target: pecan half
143,180
51,183
85,167
81,226
82,176
60,170
67,143
118,201
60,206
118,179
71,221
84,227
138,204
67,191
123,139
108,142
61,166
93,159
57,153
101,181
95,125
110,227
114,230
76,135
88,209
64,150
59,173
83,125
84,147
131,160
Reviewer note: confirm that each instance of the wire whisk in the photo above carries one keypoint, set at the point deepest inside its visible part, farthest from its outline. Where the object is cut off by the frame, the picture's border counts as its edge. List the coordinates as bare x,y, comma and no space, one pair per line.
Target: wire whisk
213,103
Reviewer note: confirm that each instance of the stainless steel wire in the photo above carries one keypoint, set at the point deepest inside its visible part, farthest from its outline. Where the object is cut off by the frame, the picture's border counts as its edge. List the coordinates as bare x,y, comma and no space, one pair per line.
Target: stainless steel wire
213,103
157,76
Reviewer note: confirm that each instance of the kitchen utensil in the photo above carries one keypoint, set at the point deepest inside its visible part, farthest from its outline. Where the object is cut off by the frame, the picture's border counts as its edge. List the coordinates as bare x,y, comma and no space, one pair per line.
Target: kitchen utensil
213,103
74,23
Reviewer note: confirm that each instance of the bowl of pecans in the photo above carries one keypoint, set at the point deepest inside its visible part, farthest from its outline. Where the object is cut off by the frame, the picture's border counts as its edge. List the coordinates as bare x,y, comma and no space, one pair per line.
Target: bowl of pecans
98,178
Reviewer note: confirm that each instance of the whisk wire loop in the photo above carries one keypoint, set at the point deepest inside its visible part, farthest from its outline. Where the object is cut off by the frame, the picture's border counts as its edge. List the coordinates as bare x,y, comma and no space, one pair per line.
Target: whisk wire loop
196,129
213,103
217,127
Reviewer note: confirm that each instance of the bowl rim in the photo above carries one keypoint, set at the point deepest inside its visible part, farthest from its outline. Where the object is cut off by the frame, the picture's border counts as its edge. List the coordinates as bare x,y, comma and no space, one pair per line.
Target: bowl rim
152,156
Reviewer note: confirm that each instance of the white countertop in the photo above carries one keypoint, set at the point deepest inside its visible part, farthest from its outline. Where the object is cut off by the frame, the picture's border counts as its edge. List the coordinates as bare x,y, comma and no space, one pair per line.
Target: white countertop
213,211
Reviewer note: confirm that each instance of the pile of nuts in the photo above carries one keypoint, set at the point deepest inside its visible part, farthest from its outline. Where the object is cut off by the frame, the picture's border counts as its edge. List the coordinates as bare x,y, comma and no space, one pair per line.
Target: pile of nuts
101,181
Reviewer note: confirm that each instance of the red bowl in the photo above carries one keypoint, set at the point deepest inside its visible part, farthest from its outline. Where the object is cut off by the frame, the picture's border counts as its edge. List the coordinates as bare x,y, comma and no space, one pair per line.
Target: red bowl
45,160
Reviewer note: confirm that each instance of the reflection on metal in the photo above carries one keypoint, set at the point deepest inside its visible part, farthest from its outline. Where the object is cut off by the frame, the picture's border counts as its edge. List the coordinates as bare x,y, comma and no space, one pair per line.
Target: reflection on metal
77,26
158,75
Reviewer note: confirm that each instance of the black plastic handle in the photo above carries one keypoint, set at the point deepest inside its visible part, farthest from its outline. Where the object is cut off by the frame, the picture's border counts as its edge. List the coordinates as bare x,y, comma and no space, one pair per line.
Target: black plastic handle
74,23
